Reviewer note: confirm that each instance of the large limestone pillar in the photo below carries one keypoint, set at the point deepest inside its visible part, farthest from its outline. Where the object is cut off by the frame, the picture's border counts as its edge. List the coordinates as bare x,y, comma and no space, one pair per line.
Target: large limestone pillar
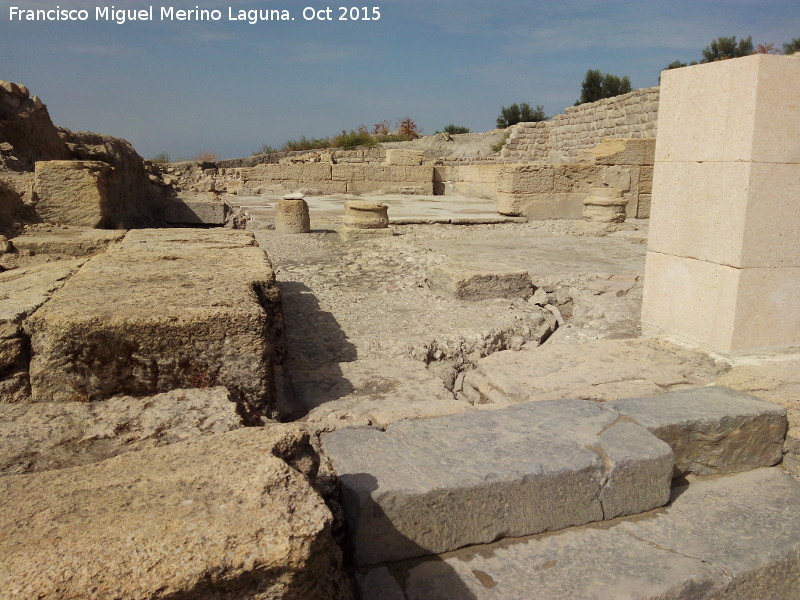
723,260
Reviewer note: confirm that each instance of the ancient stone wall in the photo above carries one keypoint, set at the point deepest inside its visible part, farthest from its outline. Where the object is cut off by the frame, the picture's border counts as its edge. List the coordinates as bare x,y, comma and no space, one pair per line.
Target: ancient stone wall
565,136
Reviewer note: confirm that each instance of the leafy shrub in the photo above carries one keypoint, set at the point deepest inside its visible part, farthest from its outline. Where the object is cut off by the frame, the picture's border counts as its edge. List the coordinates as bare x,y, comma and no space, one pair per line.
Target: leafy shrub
205,156
350,140
305,144
455,129
519,113
792,47
265,149
161,157
502,142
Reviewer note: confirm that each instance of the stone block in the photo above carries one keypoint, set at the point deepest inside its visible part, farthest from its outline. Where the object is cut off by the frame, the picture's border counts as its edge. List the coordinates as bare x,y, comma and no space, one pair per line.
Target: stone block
71,241
720,307
348,172
395,156
390,187
577,178
409,491
643,208
57,435
728,537
758,121
206,312
554,206
738,214
525,179
712,430
201,209
479,280
72,192
398,173
645,180
220,516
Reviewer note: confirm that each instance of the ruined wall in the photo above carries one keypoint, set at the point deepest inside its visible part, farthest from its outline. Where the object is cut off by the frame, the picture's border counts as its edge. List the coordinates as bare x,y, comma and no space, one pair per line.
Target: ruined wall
565,136
316,178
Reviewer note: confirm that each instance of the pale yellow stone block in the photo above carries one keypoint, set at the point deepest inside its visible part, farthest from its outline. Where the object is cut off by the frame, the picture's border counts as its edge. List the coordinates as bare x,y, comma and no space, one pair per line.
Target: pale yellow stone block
739,214
722,308
525,179
731,110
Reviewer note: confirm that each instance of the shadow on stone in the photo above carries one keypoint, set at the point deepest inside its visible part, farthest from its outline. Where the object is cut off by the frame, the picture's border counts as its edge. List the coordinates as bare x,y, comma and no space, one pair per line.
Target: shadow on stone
315,345
391,581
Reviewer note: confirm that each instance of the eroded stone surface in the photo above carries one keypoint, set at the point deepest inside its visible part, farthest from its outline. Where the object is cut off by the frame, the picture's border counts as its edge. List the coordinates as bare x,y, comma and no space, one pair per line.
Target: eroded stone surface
599,370
222,516
199,209
429,486
479,280
711,429
45,435
205,312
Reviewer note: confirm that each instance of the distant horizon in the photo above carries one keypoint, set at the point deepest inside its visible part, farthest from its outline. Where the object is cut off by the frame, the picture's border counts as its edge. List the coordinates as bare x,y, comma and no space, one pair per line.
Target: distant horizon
230,86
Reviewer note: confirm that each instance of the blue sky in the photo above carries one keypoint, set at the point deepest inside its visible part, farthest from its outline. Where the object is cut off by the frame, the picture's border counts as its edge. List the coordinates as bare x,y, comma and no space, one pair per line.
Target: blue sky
230,87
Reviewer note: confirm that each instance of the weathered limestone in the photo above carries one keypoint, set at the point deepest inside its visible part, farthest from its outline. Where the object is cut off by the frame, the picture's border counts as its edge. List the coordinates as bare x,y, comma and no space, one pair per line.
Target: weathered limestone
542,466
65,241
364,221
206,312
222,516
598,370
338,178
553,191
712,430
72,192
22,291
404,157
195,210
366,215
57,435
479,280
723,271
291,215
605,205
735,536
624,151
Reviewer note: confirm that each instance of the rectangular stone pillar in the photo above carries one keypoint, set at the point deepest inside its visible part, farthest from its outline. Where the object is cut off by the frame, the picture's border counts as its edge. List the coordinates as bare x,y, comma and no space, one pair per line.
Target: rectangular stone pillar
723,261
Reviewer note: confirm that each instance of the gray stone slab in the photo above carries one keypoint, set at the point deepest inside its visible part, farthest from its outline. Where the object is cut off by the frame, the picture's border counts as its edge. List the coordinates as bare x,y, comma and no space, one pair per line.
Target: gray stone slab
712,429
429,486
746,525
479,280
203,209
729,537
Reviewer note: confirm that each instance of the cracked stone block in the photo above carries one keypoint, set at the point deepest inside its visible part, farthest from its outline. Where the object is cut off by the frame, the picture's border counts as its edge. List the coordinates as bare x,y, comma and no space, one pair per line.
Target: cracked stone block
433,485
712,429
219,516
479,280
202,209
725,538
206,312
67,241
57,435
72,192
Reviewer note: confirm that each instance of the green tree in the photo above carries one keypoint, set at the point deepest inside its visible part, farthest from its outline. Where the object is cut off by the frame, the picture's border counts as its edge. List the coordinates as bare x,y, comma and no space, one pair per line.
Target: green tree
519,113
792,47
726,47
597,85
